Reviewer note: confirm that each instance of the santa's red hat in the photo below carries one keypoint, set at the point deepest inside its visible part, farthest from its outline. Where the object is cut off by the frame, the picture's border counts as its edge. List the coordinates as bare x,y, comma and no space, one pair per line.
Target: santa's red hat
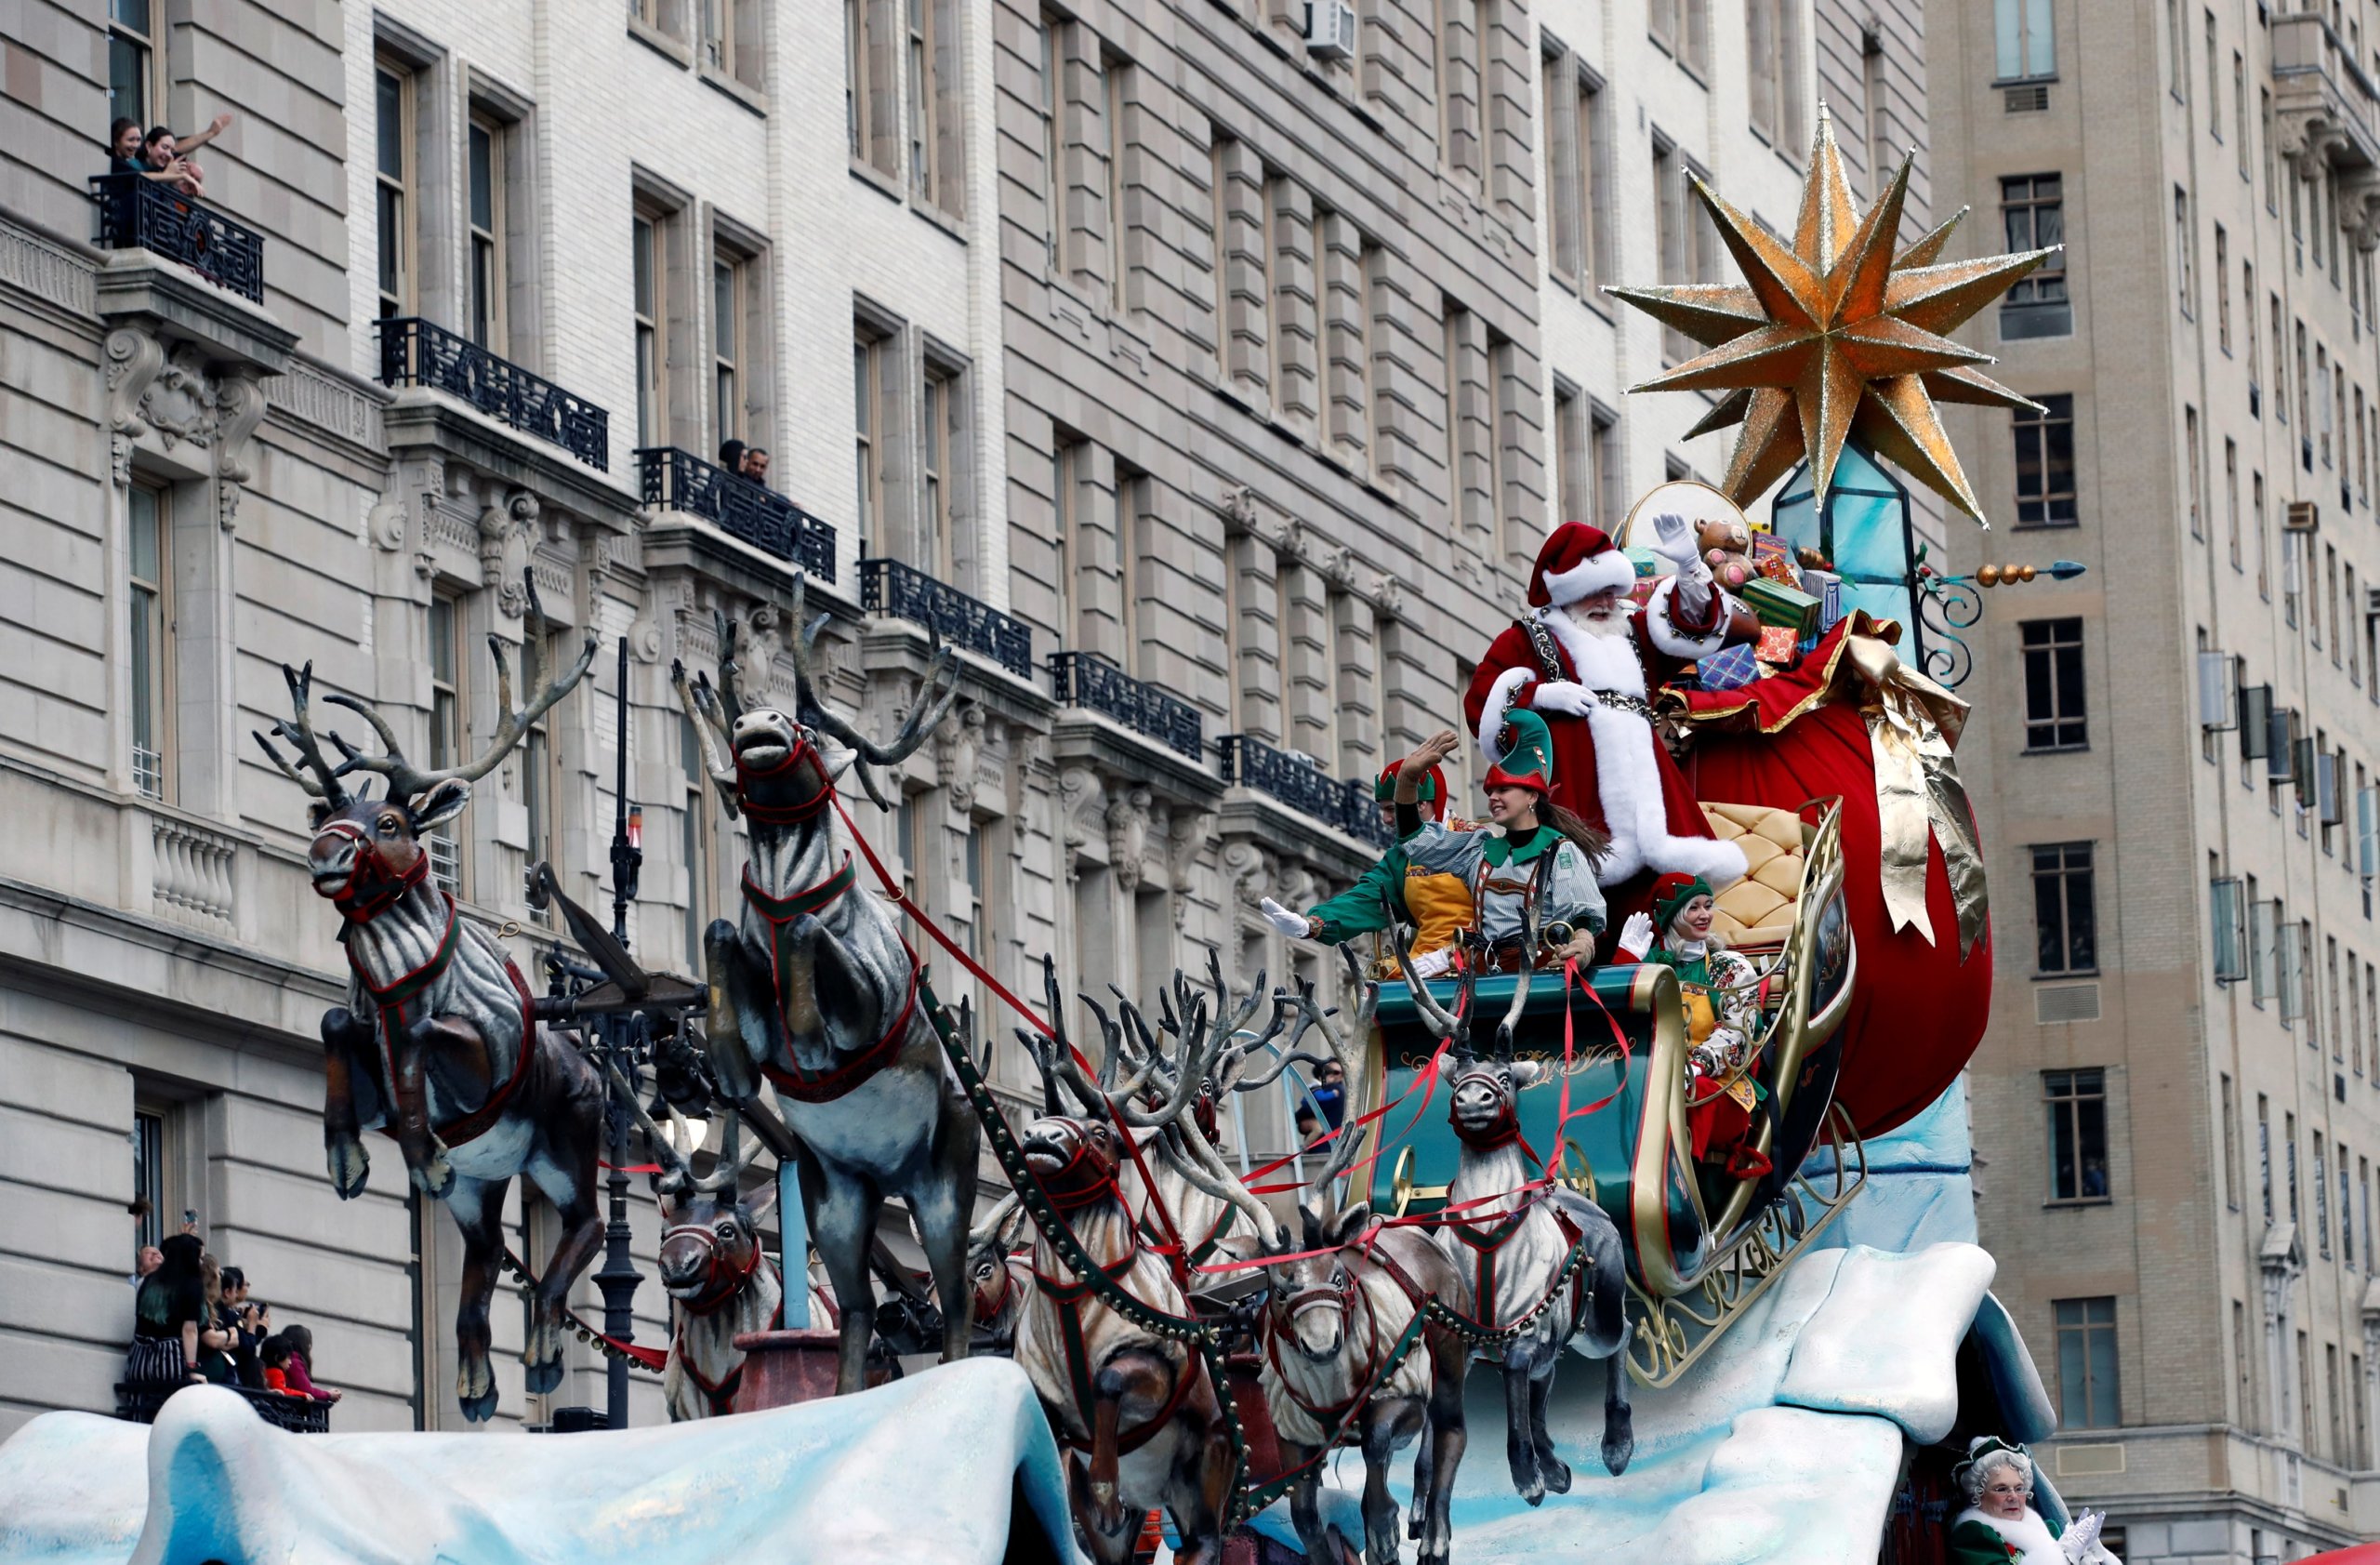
1578,562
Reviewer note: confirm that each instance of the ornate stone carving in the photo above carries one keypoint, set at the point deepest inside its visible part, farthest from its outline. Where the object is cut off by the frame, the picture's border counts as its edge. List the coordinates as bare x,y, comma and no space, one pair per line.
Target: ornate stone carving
1128,836
1186,832
240,408
384,523
1239,507
505,532
1082,795
133,360
1389,593
958,754
1249,871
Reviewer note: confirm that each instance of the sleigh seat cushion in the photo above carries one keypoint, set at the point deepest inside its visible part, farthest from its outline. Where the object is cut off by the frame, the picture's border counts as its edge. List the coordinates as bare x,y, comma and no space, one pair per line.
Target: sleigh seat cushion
1758,909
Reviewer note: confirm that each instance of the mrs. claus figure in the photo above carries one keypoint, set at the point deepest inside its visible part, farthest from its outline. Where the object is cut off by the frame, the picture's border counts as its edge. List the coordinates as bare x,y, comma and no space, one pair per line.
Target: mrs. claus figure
1587,659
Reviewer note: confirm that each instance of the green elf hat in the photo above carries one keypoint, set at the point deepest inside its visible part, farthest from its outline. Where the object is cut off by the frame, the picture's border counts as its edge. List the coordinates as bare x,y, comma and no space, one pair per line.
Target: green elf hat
1528,760
1671,893
1432,791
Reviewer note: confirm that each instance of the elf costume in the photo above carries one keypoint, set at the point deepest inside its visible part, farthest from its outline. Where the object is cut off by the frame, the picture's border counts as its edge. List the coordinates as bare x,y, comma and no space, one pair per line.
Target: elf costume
1719,991
1507,871
1437,906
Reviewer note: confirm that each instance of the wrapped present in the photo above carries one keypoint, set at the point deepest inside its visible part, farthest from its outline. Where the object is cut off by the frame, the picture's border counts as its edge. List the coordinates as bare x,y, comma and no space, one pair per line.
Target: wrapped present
1772,558
1827,587
1728,668
1642,592
1647,563
1778,645
1781,606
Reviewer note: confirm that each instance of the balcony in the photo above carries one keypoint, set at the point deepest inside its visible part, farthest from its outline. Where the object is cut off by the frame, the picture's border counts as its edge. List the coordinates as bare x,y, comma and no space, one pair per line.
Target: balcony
141,214
138,1401
1085,679
419,352
676,480
1304,787
905,593
2326,115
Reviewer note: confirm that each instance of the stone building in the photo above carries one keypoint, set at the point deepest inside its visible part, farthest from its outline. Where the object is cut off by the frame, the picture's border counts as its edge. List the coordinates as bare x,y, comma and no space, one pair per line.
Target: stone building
2174,754
1206,377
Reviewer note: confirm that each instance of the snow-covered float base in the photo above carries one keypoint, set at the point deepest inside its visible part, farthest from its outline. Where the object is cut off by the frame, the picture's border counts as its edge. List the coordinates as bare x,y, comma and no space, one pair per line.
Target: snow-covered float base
1784,1446
956,1465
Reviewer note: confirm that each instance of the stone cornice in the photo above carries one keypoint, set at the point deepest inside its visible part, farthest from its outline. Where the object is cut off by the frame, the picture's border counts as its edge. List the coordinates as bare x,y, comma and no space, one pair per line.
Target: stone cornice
415,418
178,306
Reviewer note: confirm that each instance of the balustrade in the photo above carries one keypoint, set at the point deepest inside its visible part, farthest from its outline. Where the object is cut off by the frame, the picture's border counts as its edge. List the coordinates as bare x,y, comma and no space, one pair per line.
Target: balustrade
191,874
676,480
135,213
1085,679
889,587
419,352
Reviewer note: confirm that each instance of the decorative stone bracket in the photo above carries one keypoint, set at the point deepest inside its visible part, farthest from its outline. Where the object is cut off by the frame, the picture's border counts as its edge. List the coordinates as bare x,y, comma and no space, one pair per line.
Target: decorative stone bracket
182,397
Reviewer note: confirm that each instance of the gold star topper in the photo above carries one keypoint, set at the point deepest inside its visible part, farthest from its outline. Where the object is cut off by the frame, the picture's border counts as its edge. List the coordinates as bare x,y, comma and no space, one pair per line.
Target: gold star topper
1836,336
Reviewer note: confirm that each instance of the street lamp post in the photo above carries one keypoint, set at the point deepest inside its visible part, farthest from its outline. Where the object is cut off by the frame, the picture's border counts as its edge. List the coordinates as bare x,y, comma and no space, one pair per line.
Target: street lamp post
621,1041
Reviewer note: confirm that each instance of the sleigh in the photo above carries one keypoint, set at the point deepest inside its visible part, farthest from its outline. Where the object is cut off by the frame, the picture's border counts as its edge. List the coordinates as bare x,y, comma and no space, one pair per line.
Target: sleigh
1702,1239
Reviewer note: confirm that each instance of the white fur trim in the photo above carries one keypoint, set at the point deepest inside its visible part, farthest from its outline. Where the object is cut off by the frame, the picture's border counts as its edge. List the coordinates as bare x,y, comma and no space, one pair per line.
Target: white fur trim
1596,572
1628,778
1499,700
2028,1532
1664,634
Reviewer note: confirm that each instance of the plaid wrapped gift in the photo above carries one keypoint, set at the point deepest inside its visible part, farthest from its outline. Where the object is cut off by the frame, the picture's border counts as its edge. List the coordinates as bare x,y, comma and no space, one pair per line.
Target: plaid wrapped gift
1728,668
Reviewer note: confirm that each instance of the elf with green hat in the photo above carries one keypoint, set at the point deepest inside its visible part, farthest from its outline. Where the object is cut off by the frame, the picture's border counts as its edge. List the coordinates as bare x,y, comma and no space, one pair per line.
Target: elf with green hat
1536,851
1437,906
1720,992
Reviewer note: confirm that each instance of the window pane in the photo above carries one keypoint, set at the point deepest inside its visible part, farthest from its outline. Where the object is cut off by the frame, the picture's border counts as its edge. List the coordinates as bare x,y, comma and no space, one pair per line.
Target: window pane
483,180
442,640
391,212
641,252
2091,1136
2064,1182
388,104
723,309
144,656
2007,33
127,81
2040,39
146,545
131,13
2102,1368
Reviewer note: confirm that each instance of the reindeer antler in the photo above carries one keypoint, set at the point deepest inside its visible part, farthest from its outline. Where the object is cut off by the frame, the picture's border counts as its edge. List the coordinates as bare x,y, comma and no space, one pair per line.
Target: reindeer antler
1313,1017
988,1230
935,696
676,1175
407,781
297,730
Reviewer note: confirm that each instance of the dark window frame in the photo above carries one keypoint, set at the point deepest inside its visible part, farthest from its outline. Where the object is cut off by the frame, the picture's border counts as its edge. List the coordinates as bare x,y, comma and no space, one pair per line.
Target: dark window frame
2065,910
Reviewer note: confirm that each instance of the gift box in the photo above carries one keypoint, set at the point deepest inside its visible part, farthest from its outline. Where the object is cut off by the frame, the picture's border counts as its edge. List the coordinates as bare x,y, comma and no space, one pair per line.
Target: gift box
1728,668
1782,607
1773,560
1647,563
1778,645
1642,593
1827,587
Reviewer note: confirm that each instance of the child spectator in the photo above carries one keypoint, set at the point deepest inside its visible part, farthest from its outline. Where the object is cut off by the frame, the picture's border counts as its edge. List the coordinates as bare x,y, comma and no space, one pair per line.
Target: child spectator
298,1371
273,1353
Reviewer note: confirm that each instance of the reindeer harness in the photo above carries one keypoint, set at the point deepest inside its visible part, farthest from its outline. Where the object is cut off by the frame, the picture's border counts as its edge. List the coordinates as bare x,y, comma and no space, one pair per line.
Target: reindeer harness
372,890
780,913
720,1290
1486,1243
1350,1297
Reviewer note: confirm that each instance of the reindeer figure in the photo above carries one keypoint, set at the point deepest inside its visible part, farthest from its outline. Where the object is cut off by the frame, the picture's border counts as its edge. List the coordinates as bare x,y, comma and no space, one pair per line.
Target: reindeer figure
1136,1413
435,1044
1000,1275
815,990
1340,1300
1512,1242
718,1282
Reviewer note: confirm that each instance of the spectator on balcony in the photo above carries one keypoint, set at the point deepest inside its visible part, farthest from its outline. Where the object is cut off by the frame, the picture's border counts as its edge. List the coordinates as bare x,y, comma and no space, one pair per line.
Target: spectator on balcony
731,456
127,154
171,1323
148,1261
299,1370
166,153
248,1323
756,465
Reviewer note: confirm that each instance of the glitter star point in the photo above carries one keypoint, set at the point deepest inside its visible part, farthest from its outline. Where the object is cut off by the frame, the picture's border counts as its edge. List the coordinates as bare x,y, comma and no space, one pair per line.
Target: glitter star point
1842,333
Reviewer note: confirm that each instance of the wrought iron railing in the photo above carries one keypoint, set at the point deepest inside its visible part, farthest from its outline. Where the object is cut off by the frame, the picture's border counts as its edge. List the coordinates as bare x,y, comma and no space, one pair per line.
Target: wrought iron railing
889,587
138,1401
1302,785
677,480
419,352
1085,679
143,214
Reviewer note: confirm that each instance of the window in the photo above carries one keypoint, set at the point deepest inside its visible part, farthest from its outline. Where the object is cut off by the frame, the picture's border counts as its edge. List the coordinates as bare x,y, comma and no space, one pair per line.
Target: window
2027,42
486,156
731,39
1455,321
2331,1385
1602,442
1694,47
2178,66
971,863
936,163
2347,1210
150,1223
868,353
392,142
2264,548
2193,454
1573,483
1116,77
652,360
2065,910
870,85
1774,29
2053,653
2289,1159
2304,1395
1594,198
2033,215
447,727
2248,320
1053,182
2232,497
2230,1144
2264,1151
2045,462
2077,1102
1877,132
150,537
2242,1386
2240,109
1565,187
2222,289
939,424
2213,83
698,841
733,376
133,61
2086,1363
1131,556
1670,236
2184,246
2280,366
2322,1198
1066,477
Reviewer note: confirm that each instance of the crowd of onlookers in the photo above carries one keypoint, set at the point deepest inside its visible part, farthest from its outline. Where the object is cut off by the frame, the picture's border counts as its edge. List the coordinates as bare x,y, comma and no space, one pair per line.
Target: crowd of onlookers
157,153
193,1320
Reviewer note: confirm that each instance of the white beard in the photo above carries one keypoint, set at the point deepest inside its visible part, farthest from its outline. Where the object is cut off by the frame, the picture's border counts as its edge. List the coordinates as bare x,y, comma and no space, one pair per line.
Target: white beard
1612,624
2028,1532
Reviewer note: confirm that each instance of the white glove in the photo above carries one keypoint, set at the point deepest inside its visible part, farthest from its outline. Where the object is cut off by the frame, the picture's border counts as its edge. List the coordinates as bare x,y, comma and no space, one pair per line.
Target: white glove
1564,695
1636,936
1674,539
2081,1540
1295,925
1434,964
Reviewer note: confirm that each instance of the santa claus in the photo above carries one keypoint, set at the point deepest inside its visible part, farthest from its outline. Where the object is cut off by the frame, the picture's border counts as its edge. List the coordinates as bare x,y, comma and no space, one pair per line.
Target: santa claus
1587,659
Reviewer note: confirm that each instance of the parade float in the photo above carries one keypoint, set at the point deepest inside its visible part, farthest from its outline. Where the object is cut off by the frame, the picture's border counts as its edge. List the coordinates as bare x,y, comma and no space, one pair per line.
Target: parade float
1690,1171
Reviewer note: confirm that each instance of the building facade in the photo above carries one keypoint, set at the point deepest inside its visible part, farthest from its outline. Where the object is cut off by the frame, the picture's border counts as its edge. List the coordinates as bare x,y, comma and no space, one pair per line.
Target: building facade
1207,376
2173,753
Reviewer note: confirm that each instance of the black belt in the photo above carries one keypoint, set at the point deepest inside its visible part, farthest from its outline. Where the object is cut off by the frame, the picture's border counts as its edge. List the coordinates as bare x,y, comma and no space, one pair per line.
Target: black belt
1637,704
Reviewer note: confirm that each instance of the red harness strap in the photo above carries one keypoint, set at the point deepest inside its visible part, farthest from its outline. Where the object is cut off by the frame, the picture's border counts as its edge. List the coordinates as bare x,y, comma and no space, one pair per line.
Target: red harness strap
721,1393
1329,1415
827,1085
394,999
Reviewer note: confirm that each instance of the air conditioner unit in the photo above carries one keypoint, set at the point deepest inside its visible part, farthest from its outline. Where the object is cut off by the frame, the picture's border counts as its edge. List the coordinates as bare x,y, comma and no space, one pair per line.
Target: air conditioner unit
1330,28
2301,516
